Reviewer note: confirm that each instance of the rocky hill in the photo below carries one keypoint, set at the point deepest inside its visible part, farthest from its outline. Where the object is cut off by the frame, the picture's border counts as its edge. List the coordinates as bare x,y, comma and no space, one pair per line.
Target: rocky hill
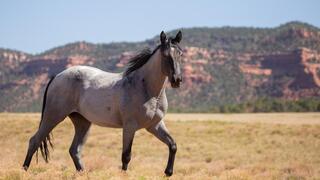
221,66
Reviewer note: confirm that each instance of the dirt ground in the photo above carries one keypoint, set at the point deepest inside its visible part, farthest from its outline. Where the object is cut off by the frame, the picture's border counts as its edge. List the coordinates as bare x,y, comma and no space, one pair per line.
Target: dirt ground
210,146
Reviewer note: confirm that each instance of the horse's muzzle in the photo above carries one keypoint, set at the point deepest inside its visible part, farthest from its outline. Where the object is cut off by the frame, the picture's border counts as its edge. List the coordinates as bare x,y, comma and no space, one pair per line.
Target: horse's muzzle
176,81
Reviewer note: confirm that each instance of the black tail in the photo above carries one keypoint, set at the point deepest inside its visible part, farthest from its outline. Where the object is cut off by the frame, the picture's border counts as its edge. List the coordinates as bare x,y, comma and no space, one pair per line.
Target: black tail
44,145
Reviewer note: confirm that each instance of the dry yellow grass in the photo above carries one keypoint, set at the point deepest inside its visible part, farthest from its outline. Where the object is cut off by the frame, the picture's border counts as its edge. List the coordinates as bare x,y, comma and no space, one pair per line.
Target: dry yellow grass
206,150
273,118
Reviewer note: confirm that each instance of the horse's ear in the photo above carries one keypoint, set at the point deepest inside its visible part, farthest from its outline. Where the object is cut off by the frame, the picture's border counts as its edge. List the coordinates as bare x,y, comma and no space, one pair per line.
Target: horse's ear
163,37
178,37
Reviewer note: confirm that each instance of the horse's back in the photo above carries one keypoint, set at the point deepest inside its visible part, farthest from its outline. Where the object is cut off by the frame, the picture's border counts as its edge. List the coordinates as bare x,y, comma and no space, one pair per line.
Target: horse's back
85,73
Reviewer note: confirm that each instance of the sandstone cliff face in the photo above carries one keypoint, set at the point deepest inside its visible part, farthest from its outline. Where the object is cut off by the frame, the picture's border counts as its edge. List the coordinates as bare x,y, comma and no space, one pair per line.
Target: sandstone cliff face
300,67
193,65
289,75
53,65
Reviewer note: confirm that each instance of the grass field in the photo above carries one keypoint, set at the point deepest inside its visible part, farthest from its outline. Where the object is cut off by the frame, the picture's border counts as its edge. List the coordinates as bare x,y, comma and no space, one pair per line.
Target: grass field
246,146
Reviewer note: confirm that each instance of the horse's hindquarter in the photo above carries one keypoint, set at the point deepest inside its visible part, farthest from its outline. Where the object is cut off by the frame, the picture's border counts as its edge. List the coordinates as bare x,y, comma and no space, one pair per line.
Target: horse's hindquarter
98,101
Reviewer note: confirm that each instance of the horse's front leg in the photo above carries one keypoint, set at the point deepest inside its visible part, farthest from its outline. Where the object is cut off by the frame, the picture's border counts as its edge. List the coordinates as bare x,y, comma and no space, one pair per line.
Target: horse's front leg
161,132
127,139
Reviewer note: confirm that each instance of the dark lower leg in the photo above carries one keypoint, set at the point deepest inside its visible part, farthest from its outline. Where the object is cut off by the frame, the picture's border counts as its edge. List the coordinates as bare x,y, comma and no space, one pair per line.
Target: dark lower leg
34,144
75,155
172,154
127,139
82,127
31,150
126,157
75,151
161,132
51,117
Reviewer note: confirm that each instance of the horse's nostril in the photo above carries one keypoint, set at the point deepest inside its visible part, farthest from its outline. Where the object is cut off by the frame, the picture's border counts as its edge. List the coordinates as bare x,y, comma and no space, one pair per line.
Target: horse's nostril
177,78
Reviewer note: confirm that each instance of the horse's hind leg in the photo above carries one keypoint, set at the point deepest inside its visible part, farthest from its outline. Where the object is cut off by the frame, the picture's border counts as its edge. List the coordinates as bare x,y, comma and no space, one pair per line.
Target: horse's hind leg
49,121
81,126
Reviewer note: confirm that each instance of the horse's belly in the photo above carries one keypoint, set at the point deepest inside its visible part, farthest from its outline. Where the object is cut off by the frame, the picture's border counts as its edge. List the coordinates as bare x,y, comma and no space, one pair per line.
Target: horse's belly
101,110
103,119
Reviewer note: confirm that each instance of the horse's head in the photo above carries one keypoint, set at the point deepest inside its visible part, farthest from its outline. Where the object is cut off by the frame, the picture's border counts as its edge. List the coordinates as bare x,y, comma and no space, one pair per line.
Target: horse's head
171,58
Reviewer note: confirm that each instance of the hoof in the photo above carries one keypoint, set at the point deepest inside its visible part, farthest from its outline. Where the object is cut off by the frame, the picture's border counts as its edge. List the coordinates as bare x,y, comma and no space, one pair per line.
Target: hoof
25,168
80,170
168,172
124,167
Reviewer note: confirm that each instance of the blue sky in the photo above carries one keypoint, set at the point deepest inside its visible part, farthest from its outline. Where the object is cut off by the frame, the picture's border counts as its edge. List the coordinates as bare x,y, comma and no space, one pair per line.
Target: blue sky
37,25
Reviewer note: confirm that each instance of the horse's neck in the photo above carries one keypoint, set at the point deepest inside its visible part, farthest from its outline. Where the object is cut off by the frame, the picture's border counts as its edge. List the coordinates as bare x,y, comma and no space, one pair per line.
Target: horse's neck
152,75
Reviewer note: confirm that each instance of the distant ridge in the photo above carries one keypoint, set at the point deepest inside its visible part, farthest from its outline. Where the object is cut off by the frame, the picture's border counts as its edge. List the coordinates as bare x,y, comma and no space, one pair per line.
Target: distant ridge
222,66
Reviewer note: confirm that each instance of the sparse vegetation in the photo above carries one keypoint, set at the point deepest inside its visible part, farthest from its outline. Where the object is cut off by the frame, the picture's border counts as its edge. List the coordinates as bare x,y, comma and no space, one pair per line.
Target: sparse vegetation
272,105
206,150
261,105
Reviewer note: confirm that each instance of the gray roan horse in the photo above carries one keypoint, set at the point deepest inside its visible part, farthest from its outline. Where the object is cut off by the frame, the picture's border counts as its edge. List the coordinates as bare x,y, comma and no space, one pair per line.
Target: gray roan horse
131,100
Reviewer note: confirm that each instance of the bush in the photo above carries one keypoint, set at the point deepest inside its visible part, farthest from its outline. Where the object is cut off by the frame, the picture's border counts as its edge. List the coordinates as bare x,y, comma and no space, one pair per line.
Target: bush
271,105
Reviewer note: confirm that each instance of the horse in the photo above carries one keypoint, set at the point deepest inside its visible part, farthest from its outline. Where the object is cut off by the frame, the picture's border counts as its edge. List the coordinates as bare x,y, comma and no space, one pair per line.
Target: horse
134,99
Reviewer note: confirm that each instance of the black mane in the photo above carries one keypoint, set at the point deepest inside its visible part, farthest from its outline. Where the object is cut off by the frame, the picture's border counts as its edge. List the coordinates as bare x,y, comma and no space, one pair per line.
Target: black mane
139,60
